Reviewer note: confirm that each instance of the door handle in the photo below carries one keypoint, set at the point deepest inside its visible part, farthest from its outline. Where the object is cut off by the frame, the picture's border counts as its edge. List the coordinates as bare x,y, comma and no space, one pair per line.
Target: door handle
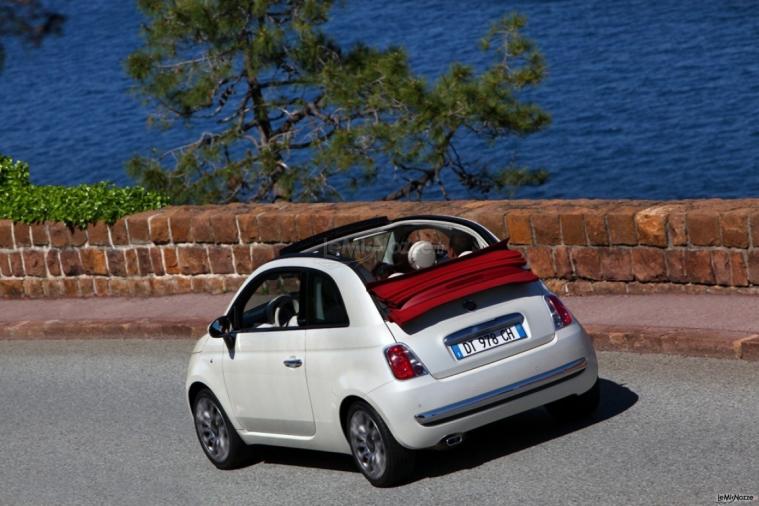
293,362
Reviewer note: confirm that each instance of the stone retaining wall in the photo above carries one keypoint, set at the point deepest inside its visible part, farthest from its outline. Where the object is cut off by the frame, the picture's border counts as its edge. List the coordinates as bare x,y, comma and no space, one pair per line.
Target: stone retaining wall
578,246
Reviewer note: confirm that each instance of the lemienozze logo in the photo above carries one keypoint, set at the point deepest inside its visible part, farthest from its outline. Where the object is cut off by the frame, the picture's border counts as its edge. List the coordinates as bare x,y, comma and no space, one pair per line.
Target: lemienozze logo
731,498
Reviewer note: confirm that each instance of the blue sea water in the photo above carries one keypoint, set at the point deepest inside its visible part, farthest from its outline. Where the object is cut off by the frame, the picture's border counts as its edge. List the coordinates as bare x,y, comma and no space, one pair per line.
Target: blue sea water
649,99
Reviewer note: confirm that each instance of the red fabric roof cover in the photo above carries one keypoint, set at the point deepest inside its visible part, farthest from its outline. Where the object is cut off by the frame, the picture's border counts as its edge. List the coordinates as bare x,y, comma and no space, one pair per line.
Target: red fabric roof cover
412,294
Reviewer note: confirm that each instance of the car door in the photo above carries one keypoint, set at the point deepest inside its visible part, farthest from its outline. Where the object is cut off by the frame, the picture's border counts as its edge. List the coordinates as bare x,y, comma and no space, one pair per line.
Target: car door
264,371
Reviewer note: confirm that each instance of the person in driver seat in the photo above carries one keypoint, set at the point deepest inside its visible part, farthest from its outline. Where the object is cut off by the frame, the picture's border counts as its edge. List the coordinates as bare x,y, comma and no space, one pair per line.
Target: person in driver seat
460,244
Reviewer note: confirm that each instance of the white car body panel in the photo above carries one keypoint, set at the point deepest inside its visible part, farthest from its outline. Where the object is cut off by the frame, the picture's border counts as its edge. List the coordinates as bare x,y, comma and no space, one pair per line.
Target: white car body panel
265,394
430,329
400,401
269,403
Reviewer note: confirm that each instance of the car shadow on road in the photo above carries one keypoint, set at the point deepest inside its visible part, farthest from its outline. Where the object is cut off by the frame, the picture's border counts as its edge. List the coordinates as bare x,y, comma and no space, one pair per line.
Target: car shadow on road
520,432
488,443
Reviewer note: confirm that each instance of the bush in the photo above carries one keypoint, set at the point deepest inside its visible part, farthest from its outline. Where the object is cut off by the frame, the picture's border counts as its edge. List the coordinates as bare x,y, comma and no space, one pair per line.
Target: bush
22,201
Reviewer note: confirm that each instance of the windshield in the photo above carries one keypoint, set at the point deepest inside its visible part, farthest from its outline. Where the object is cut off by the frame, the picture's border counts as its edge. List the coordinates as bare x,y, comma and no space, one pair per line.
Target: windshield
403,248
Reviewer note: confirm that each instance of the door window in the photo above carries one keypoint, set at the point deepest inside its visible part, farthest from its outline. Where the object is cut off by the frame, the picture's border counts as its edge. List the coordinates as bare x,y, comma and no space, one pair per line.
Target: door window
274,303
326,307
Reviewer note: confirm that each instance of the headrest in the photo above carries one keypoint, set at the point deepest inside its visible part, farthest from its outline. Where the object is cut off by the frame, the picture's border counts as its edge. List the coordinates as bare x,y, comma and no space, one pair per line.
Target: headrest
421,255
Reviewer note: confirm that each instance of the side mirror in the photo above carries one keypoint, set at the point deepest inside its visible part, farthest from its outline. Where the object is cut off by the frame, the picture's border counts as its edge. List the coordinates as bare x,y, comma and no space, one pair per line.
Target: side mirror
220,327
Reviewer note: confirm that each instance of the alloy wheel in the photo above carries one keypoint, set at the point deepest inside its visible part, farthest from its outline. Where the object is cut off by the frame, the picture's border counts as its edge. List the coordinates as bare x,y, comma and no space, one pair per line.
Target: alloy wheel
212,429
367,444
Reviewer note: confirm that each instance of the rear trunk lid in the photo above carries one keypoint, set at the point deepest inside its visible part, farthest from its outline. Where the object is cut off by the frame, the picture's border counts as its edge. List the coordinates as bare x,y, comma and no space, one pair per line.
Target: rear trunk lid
467,312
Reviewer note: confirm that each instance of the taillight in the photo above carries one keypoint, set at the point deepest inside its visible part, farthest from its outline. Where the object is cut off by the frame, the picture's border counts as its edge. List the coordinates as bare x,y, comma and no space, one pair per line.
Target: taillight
561,315
403,363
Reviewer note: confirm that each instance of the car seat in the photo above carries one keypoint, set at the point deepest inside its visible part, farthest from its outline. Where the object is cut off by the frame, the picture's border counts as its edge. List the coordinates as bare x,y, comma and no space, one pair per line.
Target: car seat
421,255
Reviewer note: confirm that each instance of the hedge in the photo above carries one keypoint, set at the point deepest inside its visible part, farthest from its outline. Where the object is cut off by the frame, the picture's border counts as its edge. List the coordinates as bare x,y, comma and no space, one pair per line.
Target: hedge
22,201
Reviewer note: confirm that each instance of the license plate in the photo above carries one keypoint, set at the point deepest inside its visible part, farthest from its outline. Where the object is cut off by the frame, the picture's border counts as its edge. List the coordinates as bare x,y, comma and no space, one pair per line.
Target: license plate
488,341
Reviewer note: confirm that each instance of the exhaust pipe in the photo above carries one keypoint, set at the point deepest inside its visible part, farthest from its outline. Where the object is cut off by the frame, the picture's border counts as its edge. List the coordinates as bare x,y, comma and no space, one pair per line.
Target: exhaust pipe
453,440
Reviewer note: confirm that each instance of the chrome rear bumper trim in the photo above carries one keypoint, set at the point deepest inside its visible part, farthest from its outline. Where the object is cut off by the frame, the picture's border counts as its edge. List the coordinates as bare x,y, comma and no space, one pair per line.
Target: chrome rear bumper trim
500,395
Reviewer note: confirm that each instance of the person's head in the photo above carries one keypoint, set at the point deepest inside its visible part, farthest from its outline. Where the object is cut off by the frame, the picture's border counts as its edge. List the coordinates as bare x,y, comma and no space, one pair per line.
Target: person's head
458,243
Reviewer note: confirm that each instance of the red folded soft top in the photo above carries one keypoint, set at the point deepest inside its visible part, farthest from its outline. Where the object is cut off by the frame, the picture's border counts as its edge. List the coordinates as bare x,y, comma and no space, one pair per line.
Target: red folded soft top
411,295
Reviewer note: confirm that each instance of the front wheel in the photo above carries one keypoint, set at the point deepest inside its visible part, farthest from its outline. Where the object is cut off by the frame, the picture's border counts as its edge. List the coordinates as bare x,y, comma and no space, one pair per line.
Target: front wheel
382,460
218,438
576,407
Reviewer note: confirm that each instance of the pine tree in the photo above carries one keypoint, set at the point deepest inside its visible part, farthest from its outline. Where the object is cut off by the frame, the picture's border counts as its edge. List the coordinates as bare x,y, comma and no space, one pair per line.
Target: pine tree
285,108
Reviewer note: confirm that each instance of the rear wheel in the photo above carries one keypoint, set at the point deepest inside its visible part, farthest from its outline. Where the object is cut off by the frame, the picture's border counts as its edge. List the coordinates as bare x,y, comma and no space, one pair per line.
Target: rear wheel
382,460
576,407
218,438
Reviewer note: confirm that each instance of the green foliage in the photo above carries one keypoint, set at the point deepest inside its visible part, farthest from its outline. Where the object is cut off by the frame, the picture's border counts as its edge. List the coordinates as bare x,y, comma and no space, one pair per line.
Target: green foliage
284,108
76,205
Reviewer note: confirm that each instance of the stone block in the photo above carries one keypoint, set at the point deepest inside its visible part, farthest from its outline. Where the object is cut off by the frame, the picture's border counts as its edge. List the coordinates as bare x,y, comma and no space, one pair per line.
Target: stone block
735,229
563,262
753,267
59,234
23,234
703,228
520,231
116,262
34,263
541,261
11,288
678,234
615,264
546,228
6,234
119,235
721,266
243,259
139,232
248,228
132,264
71,264
648,264
180,225
39,234
5,265
573,229
220,258
159,229
676,271
698,265
622,227
193,260
156,260
78,236
93,261
651,228
595,228
224,225
97,234
261,254
587,262
738,269
144,262
171,261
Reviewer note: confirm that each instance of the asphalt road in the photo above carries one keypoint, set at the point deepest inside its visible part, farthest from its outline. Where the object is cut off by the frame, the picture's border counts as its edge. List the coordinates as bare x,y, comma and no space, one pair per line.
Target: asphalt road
104,422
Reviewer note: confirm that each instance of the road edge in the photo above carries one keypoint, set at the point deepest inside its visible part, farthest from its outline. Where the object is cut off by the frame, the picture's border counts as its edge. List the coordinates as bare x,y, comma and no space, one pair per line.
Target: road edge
663,340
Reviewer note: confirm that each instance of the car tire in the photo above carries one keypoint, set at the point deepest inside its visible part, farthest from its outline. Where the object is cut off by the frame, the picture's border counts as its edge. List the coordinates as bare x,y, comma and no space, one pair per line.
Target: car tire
576,407
381,459
218,438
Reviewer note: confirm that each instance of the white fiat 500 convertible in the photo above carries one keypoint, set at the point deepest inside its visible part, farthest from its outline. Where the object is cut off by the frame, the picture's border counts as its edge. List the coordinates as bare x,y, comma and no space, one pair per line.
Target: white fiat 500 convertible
382,337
